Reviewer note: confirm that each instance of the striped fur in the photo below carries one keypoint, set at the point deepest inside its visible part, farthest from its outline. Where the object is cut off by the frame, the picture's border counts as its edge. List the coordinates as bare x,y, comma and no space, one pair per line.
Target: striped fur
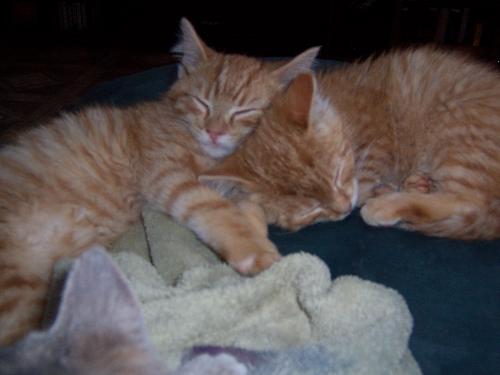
415,133
226,96
83,178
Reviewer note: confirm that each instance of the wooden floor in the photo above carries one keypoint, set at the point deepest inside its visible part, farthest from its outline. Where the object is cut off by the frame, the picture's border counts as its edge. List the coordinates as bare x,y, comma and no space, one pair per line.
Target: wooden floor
37,83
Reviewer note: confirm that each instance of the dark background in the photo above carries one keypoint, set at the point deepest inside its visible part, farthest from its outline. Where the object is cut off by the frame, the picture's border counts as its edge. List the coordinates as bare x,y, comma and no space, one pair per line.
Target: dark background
53,51
346,29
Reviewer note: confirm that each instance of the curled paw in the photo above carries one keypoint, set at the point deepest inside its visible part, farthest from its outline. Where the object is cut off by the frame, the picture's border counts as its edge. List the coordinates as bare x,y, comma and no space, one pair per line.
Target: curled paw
254,259
254,264
381,211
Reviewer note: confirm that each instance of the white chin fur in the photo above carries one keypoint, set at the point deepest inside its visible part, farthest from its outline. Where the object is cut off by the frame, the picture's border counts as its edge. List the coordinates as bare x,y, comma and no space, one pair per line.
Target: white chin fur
224,146
216,151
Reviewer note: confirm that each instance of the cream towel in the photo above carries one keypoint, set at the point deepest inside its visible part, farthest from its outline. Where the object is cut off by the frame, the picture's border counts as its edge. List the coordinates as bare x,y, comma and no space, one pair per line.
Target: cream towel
189,298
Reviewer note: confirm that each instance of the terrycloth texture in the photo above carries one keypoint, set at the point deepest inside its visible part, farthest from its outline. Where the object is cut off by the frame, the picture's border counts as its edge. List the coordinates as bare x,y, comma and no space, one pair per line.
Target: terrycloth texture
364,325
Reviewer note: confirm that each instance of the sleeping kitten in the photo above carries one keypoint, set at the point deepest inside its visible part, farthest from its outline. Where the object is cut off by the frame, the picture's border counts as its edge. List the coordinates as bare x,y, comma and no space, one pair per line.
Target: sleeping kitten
412,137
222,96
99,330
83,178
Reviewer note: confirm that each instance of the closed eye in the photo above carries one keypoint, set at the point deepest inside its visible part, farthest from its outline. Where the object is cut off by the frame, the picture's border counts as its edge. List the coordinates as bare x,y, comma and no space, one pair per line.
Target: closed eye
201,104
248,114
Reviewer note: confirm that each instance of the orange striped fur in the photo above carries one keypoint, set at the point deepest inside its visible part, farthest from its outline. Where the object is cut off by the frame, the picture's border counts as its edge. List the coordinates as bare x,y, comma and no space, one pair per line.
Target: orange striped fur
83,178
412,137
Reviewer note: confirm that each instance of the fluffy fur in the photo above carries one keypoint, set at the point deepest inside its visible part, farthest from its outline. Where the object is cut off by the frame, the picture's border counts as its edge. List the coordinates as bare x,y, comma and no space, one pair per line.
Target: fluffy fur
412,137
82,179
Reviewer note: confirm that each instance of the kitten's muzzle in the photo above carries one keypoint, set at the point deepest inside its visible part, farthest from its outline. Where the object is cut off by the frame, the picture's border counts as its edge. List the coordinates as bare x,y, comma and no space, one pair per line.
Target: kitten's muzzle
339,210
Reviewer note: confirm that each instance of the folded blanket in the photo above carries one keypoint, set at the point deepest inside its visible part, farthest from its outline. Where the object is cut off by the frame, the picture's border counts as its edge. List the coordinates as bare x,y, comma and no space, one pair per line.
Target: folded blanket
189,298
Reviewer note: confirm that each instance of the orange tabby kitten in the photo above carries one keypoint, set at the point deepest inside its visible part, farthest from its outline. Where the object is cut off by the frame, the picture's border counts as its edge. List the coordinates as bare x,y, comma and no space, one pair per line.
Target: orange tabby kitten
82,179
412,137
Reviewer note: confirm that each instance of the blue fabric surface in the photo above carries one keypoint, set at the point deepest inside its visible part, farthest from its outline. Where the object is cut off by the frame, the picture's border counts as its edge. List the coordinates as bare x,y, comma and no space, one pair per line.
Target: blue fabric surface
452,287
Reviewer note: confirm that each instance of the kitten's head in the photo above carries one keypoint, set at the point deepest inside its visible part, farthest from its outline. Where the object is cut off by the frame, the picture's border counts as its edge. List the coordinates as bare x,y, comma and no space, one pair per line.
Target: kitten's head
220,97
298,165
98,330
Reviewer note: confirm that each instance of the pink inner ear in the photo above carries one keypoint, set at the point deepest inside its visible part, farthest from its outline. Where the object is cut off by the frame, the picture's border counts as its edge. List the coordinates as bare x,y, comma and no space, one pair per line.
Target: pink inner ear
299,98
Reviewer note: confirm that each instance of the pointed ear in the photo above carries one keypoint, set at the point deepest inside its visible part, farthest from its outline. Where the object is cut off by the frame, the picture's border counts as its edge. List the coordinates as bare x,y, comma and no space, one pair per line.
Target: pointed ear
228,178
97,300
298,98
300,64
191,47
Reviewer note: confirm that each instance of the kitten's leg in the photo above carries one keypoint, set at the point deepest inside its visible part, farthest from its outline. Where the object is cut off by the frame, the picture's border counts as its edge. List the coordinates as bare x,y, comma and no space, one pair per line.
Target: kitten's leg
217,221
237,236
255,215
438,214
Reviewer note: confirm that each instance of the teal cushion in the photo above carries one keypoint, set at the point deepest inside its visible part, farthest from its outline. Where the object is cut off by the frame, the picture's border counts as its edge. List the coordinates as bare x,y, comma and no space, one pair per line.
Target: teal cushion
452,287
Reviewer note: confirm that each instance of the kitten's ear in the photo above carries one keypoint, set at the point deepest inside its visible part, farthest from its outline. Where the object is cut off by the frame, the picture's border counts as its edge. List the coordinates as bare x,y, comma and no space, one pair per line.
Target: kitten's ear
191,47
307,108
298,98
300,64
228,177
99,328
97,302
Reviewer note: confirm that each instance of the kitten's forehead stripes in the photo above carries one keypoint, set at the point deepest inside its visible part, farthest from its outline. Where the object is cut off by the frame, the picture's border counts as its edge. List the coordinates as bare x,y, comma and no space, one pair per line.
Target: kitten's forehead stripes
223,85
221,78
240,93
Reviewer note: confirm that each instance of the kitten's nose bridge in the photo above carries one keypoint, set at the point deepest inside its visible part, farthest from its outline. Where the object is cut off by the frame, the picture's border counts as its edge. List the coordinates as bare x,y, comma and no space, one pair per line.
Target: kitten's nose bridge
214,134
215,128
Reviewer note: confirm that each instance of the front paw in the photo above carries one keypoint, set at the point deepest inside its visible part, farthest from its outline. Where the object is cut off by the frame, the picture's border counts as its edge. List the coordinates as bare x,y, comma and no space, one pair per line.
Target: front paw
380,212
252,258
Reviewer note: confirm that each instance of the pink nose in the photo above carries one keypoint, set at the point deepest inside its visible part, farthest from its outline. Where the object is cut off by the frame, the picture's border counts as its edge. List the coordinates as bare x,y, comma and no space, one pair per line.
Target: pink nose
214,134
